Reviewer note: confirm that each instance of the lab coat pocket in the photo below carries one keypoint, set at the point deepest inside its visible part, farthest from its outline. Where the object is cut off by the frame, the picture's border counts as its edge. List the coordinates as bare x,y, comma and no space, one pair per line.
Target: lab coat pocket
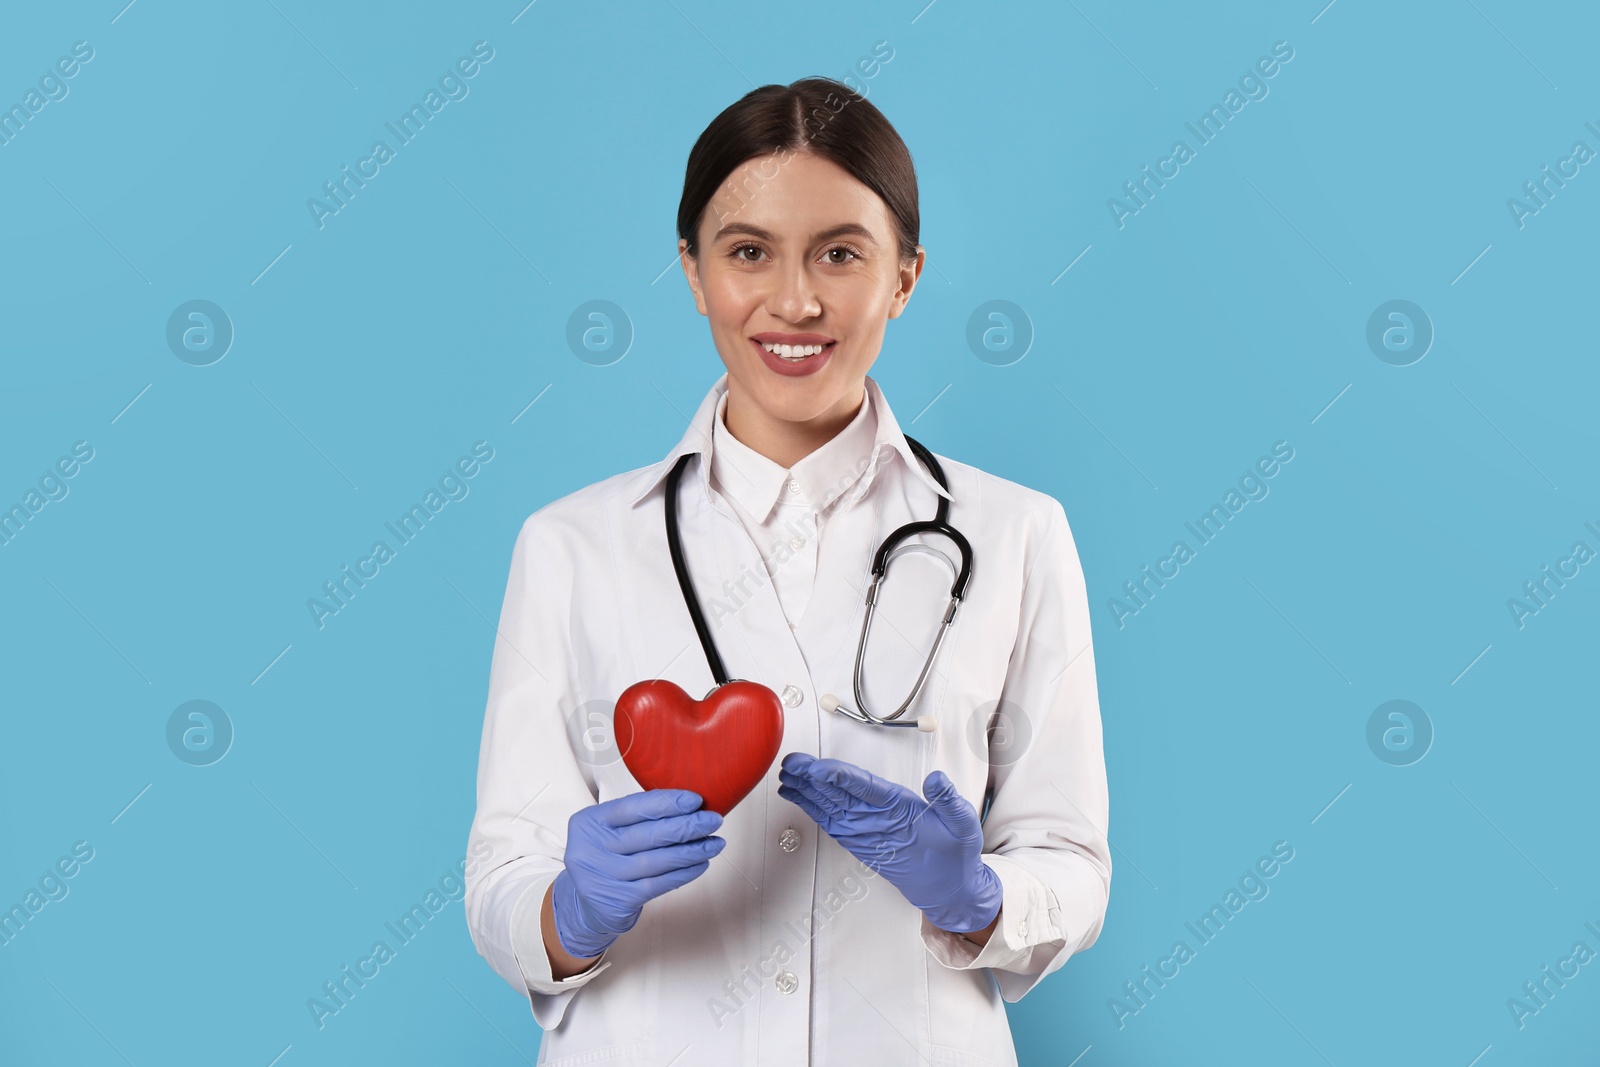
967,1014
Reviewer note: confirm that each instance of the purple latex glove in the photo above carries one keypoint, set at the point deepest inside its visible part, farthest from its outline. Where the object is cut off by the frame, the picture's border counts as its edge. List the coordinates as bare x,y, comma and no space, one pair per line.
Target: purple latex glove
620,854
928,849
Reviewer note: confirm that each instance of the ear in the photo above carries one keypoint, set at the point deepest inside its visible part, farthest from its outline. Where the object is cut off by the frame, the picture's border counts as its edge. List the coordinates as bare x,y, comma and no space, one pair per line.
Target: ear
909,273
691,271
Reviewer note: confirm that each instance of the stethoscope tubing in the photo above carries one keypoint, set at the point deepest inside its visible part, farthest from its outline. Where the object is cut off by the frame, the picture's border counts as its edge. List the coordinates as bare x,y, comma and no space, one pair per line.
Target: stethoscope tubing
880,565
675,546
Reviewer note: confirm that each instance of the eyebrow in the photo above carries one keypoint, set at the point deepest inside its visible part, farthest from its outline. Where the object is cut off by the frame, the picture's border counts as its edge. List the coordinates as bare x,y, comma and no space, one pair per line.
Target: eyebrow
853,229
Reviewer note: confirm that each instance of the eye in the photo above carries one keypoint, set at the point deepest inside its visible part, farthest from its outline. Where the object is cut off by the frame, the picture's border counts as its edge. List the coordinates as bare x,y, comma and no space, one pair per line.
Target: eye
843,248
735,251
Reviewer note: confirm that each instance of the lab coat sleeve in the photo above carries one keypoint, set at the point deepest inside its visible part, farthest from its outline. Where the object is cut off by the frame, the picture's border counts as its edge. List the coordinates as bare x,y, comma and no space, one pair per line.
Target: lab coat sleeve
529,782
1045,834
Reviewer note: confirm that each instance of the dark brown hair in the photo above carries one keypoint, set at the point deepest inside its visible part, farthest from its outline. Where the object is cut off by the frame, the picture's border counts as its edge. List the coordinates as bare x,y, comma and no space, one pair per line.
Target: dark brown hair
817,115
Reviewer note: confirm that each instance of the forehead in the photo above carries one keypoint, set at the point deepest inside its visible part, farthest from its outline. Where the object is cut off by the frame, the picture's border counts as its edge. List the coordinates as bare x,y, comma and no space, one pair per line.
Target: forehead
795,191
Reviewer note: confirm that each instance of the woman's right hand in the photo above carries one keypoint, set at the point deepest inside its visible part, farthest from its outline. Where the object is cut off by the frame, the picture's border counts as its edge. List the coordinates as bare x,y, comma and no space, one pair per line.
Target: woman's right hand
622,853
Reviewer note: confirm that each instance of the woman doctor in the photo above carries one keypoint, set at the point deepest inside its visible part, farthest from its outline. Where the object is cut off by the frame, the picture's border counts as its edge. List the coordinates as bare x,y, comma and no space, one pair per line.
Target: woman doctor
875,898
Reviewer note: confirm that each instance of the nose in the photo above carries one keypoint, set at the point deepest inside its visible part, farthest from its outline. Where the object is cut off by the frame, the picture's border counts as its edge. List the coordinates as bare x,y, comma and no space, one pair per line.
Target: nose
794,296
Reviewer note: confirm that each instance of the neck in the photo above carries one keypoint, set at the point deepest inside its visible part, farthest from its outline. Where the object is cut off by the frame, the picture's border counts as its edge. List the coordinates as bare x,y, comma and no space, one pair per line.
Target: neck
780,440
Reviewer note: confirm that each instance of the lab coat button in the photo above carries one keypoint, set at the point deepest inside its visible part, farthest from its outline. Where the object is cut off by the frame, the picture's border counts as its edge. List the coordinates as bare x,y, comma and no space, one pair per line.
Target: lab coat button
789,840
791,696
797,542
787,982
794,486
1022,928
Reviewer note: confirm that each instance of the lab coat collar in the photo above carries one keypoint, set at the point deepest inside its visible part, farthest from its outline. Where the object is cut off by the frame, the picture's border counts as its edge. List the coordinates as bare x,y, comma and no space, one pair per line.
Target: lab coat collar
757,483
697,438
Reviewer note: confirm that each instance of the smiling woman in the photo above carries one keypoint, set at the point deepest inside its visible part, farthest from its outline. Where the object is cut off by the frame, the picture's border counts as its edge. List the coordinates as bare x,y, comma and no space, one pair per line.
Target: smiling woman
640,934
824,215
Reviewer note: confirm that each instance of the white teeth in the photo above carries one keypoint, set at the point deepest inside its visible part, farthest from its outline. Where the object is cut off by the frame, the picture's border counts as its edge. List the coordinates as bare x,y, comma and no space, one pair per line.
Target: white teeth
793,351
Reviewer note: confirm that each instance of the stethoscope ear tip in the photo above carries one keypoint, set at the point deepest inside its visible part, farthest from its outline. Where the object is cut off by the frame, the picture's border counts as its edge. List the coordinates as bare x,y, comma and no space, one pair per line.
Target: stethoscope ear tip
828,702
928,724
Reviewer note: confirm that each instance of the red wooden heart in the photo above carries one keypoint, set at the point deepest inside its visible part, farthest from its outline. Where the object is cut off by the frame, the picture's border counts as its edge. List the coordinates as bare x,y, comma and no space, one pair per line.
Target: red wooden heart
719,747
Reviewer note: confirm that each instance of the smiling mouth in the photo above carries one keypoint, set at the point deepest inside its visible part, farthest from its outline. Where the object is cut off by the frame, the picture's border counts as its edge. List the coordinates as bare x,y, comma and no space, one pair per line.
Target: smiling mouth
795,353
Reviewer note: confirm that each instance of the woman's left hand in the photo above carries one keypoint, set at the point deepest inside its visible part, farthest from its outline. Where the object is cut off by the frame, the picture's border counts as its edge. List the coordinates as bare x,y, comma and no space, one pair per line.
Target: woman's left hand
928,847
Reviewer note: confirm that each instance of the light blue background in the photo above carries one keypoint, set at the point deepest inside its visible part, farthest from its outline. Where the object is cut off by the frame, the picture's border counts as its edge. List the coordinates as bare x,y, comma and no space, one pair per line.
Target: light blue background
1227,315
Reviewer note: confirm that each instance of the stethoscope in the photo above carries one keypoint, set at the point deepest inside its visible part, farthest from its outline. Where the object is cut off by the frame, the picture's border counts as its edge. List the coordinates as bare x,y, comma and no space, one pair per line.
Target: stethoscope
880,568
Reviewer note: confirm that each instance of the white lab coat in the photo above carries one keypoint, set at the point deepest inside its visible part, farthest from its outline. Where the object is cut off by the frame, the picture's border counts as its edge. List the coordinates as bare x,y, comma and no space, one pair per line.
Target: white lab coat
787,950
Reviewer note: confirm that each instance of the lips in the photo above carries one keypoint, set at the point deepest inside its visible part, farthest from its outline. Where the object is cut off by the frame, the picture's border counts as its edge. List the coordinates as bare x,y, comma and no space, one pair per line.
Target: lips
794,367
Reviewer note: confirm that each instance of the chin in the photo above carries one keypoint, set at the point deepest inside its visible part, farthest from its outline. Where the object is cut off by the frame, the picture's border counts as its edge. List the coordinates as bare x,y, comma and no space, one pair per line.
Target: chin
790,400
